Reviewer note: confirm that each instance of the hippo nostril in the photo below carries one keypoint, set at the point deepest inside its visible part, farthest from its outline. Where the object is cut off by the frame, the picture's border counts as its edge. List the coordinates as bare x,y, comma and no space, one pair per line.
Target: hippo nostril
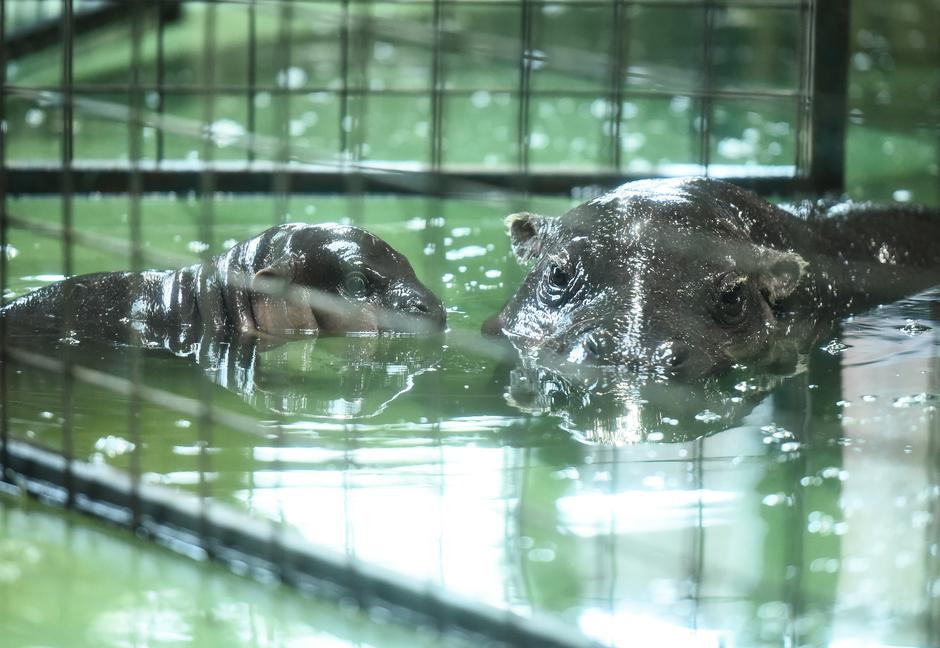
672,354
420,305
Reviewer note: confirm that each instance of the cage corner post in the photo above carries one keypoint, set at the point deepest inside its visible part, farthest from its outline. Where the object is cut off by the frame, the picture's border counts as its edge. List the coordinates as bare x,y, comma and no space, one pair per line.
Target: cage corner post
828,94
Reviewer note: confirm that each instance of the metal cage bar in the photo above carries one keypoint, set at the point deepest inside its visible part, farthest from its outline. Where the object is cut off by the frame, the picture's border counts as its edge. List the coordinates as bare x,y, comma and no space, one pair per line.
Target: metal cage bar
820,95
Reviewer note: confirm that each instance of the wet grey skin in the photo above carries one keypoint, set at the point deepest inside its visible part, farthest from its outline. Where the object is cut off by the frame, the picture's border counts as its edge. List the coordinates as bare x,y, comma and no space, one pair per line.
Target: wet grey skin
689,277
289,281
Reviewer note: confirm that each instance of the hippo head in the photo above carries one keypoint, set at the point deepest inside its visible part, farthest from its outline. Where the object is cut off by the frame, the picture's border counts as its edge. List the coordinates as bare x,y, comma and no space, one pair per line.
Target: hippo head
669,277
330,280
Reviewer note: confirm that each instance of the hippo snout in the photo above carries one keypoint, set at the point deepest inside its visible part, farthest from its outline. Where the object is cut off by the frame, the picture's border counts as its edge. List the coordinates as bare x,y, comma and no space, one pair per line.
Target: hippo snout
419,311
601,347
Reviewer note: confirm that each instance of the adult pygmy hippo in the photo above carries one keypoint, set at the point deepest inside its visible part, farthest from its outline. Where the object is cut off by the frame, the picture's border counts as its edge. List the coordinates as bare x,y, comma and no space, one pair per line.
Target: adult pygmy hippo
290,280
690,276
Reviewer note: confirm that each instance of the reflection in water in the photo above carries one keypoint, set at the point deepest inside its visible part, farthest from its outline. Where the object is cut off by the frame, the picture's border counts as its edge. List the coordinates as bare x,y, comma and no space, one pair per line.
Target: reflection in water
754,511
336,379
611,405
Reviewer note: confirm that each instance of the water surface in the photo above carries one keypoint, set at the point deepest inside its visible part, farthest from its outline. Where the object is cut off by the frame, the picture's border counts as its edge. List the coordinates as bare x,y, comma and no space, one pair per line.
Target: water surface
756,510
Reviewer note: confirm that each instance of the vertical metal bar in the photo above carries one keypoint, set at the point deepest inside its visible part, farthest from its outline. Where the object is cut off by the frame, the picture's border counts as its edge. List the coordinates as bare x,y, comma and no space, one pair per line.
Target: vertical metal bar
161,76
830,74
437,88
698,558
252,76
206,217
67,188
617,69
282,115
525,81
705,122
135,149
344,117
802,153
4,244
932,544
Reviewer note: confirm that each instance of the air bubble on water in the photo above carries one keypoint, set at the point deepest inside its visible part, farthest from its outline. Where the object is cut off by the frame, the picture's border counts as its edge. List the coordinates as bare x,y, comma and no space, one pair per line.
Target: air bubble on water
297,127
707,416
670,421
113,446
292,78
10,251
680,104
869,398
861,61
467,252
228,243
35,117
567,473
197,247
655,436
599,108
835,347
633,141
913,327
911,400
733,148
225,132
493,274
538,140
481,99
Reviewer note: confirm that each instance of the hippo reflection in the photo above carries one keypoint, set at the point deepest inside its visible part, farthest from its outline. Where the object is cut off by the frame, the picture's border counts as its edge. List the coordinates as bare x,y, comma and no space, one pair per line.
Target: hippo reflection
602,404
329,379
689,277
290,280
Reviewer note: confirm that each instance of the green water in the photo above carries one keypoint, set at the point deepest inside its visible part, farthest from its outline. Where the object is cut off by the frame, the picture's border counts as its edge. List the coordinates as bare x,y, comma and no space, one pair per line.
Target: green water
788,511
150,597
747,512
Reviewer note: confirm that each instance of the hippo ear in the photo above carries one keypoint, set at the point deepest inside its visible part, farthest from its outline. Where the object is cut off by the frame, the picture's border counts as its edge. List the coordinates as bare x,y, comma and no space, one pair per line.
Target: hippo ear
527,233
779,273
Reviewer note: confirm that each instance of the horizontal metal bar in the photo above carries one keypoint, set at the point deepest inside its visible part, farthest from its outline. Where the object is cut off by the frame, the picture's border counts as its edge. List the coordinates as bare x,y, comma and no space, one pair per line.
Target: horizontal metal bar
259,178
201,528
47,33
783,4
602,91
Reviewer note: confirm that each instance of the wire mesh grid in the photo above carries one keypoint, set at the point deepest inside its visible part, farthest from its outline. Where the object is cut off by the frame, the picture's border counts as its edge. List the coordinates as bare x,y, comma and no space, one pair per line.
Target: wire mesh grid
244,126
364,90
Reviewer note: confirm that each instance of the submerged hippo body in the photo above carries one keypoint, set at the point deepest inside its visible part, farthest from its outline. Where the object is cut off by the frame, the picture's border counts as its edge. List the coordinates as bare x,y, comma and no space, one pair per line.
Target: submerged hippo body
689,277
290,280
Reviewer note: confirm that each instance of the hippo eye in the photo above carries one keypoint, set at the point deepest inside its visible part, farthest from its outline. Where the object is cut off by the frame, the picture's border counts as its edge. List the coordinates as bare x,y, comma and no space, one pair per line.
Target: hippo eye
554,289
558,278
355,284
732,302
